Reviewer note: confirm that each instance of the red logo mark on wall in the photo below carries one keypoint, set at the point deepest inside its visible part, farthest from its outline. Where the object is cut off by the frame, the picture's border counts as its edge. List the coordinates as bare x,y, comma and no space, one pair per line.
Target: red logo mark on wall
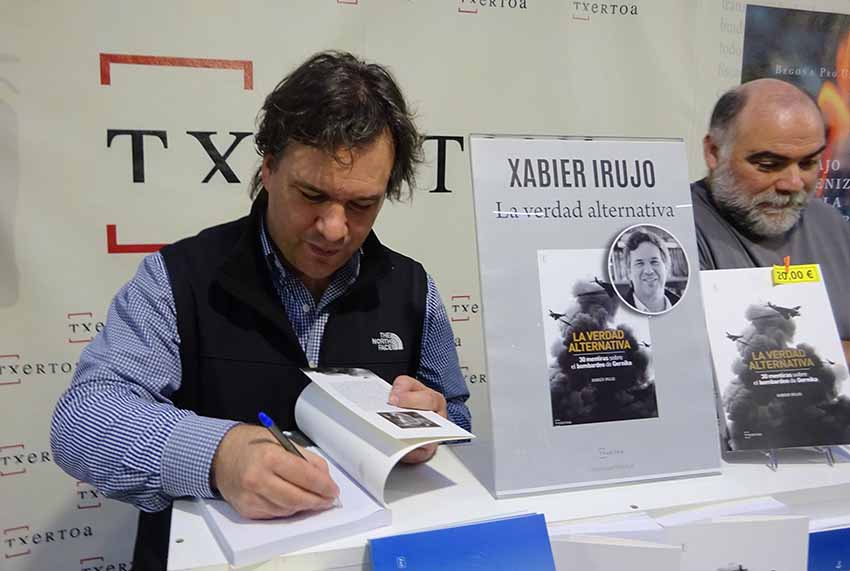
90,563
113,247
107,60
11,538
9,379
88,497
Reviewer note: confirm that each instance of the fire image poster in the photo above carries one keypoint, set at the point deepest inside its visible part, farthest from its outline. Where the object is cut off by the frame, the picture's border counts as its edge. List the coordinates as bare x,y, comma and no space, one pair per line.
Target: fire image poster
598,352
812,51
780,367
596,368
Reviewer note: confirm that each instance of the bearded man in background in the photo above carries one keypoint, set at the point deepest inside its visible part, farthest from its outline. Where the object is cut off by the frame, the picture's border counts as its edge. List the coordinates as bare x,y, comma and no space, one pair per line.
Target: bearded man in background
762,150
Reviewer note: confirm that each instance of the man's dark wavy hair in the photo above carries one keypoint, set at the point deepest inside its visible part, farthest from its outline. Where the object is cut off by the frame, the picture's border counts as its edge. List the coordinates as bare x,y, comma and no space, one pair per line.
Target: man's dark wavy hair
336,101
641,235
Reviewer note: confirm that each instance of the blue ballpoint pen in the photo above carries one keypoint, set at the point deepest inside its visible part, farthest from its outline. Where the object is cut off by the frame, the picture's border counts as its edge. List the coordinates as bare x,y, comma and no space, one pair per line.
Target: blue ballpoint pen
284,440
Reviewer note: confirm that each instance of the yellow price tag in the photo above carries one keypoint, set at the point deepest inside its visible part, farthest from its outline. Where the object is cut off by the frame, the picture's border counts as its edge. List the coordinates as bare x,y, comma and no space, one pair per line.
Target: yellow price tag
796,274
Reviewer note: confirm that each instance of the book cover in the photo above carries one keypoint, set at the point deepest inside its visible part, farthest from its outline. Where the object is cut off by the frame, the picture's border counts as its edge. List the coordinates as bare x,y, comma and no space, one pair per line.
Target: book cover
599,356
829,550
778,360
808,49
520,542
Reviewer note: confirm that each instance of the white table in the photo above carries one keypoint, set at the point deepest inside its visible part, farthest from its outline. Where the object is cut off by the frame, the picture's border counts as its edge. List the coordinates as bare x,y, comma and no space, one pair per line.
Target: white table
445,492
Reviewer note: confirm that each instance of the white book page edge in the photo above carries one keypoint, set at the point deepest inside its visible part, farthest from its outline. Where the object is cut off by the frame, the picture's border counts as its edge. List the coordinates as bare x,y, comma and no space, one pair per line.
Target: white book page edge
366,453
367,395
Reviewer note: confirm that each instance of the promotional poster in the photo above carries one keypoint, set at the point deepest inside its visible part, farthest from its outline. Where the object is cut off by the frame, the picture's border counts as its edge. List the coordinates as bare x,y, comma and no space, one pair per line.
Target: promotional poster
780,367
596,352
812,51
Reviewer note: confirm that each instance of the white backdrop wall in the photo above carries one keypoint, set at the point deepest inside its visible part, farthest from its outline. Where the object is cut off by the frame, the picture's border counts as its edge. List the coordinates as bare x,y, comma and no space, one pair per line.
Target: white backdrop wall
633,68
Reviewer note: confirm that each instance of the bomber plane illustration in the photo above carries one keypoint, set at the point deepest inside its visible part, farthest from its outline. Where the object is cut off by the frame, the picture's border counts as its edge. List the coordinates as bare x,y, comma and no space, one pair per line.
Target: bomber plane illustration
736,338
559,317
607,286
786,312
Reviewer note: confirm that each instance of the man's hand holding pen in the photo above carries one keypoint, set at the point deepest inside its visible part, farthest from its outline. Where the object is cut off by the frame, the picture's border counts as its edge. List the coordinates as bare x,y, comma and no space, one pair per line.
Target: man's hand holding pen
261,480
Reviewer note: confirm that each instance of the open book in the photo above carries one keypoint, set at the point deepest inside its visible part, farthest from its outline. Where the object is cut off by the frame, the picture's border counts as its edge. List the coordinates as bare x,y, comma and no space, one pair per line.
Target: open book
345,412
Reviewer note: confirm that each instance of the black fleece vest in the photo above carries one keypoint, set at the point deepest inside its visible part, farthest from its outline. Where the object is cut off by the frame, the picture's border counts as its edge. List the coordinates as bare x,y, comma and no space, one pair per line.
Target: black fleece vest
238,352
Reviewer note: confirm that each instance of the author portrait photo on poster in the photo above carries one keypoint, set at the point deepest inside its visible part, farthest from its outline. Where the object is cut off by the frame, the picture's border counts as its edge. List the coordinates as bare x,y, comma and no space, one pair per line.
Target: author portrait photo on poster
649,269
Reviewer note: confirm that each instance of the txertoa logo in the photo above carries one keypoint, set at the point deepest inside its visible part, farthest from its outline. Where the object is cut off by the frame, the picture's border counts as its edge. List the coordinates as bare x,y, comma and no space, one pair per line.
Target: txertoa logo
388,341
15,459
14,369
584,10
472,5
19,541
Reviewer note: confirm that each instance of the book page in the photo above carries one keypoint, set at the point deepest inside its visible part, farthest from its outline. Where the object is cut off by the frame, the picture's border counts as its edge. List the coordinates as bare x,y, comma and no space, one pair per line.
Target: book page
367,394
365,452
247,541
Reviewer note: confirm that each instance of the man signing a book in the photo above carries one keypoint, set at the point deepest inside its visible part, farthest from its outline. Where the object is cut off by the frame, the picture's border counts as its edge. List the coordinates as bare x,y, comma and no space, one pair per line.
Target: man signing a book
216,327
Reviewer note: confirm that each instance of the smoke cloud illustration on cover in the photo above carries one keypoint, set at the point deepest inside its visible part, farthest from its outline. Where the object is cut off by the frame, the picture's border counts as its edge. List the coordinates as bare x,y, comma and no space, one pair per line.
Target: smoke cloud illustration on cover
783,393
779,365
599,356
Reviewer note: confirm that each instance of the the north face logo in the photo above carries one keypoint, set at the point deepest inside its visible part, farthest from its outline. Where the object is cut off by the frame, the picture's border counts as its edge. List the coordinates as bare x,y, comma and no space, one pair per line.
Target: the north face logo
387,341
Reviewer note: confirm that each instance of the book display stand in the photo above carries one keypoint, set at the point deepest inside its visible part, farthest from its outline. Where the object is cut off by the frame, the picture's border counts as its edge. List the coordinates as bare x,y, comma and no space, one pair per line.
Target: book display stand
778,360
597,356
773,456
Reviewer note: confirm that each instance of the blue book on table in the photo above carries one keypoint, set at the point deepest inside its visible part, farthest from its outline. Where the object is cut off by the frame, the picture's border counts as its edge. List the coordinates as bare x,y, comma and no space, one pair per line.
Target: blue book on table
830,550
512,543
